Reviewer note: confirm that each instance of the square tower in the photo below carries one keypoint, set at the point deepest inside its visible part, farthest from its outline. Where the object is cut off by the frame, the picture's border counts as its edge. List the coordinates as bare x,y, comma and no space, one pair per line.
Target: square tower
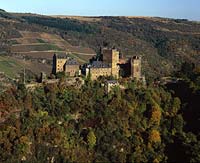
59,61
111,57
136,67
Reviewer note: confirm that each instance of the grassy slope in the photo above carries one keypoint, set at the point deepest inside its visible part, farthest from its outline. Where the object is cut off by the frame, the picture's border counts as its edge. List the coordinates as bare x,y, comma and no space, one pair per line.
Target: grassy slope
10,66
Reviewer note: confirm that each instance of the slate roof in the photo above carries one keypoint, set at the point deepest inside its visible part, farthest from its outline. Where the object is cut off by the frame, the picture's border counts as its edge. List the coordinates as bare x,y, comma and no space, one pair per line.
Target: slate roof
112,82
72,61
99,64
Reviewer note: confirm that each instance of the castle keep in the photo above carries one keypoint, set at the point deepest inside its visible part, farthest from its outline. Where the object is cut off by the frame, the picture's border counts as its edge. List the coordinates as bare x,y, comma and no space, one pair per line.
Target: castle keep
107,67
136,67
111,57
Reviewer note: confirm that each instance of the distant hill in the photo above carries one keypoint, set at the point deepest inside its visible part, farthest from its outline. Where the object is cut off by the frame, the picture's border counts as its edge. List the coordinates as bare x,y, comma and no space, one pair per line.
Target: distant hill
163,43
1,10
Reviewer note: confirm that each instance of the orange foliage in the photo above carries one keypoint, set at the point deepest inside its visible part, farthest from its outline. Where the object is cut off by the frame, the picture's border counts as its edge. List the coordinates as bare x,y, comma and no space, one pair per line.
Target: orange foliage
154,136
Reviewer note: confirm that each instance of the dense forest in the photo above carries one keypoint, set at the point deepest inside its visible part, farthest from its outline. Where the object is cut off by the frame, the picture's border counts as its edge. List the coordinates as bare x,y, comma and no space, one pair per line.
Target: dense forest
56,123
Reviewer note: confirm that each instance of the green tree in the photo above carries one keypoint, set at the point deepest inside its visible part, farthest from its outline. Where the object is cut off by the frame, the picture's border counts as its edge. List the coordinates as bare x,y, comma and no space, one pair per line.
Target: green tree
175,106
91,139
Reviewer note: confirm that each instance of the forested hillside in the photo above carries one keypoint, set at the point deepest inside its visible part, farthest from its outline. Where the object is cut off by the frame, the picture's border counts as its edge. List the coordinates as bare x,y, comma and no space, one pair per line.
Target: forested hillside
56,123
164,43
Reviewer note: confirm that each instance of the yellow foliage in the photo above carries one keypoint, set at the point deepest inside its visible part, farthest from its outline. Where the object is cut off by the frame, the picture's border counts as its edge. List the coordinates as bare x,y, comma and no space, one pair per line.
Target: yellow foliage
197,70
156,161
127,133
156,116
154,136
26,144
149,146
155,96
42,113
91,139
24,139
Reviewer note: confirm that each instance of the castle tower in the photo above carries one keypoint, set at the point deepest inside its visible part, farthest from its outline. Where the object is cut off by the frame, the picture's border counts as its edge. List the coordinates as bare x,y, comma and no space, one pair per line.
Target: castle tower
115,61
54,64
111,57
136,67
59,61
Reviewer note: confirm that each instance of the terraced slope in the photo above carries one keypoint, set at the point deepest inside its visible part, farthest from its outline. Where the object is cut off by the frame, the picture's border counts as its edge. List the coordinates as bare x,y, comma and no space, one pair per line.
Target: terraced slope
40,45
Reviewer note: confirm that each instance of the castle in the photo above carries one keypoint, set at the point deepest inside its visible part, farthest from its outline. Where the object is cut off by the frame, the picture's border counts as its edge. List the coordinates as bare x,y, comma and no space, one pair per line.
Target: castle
110,65
107,67
63,63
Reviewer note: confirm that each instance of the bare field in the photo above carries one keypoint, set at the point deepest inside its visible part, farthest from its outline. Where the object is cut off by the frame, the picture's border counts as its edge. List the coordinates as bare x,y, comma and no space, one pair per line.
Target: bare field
28,40
40,54
34,47
80,18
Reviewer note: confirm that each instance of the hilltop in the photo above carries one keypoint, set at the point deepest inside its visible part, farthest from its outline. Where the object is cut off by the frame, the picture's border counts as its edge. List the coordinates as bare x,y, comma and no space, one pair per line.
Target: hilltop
163,43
